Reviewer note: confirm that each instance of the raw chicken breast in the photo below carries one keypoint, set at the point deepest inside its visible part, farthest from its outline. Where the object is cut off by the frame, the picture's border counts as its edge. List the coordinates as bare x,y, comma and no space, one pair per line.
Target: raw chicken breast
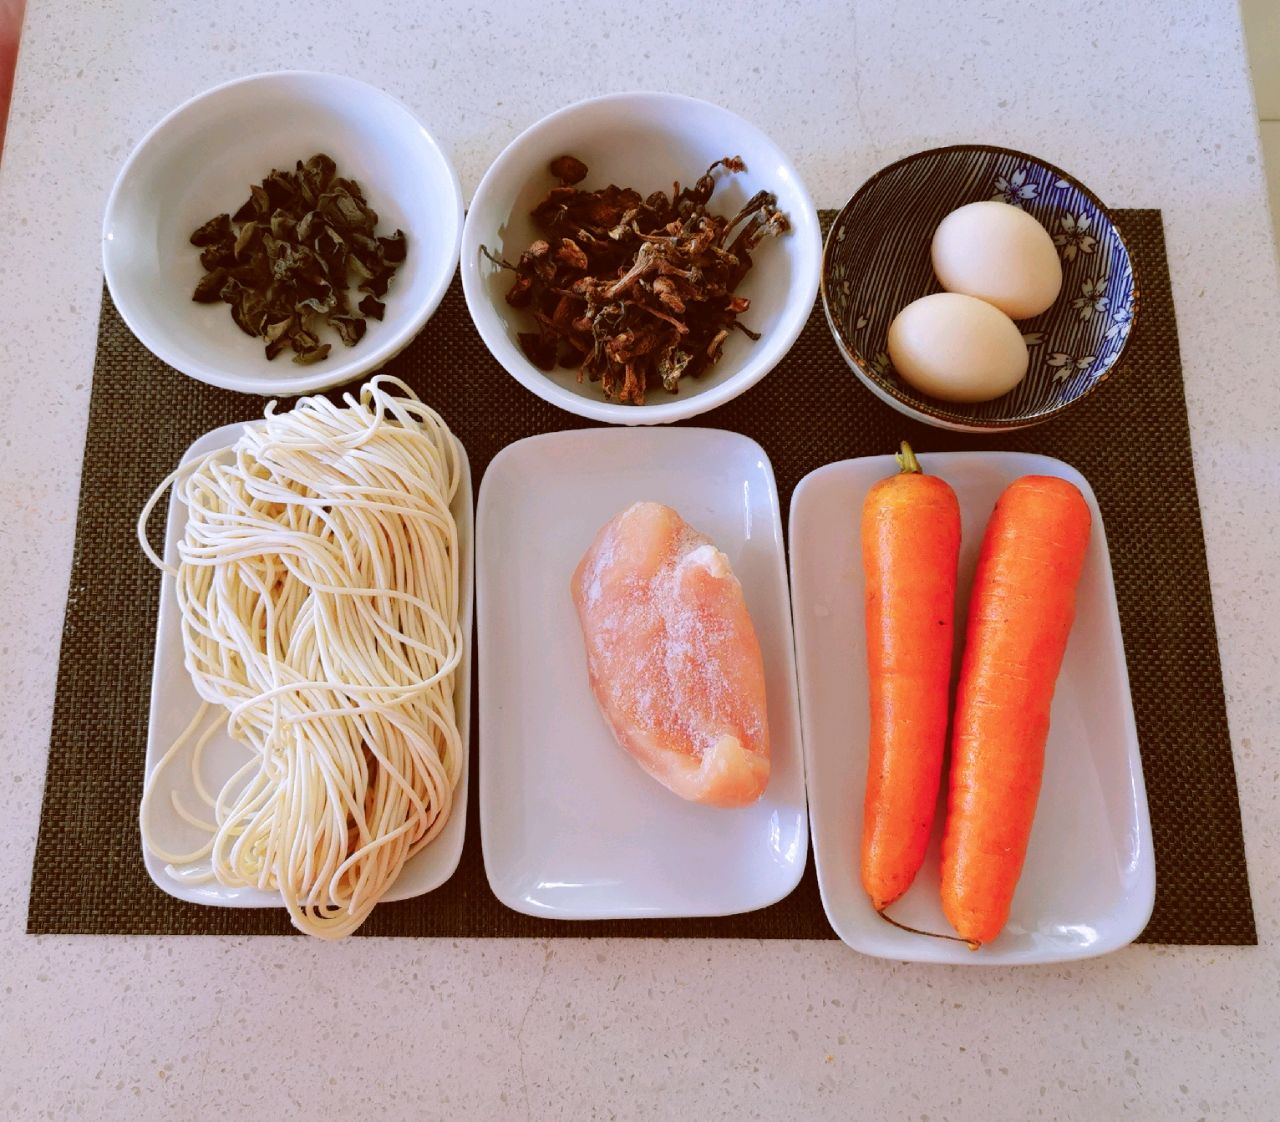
673,658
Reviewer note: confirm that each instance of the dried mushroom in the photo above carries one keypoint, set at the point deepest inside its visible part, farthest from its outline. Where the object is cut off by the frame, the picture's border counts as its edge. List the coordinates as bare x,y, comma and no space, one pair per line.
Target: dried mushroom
286,259
634,291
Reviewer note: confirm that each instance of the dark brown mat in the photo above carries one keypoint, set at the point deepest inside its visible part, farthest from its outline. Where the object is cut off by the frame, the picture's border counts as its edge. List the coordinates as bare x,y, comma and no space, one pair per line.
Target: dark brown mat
1130,440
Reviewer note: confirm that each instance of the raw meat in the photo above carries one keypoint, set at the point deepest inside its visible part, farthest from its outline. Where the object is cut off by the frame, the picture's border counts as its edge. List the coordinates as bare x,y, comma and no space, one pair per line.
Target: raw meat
673,657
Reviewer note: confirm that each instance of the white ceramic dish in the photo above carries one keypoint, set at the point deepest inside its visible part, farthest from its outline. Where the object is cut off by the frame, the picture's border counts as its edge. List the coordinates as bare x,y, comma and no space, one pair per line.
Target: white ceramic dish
572,828
200,160
1089,881
174,702
644,140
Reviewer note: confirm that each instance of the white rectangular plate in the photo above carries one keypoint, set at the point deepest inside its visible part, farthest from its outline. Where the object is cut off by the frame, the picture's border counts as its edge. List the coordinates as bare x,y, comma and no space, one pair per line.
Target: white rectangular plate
1089,880
174,702
572,828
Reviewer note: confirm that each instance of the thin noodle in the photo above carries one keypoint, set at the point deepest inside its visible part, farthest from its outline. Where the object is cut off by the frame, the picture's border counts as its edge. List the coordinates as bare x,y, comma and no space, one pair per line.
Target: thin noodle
318,586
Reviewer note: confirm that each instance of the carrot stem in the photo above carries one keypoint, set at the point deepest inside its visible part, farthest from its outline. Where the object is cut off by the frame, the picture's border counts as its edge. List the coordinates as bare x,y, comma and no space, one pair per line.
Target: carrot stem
907,462
973,945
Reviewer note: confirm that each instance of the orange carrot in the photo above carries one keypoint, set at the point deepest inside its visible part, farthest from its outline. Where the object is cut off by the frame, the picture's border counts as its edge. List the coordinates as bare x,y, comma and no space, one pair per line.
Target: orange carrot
910,546
1020,614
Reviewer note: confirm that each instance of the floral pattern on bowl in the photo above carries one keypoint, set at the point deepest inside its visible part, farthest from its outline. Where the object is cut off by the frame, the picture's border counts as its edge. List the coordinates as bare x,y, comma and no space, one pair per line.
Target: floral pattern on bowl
876,262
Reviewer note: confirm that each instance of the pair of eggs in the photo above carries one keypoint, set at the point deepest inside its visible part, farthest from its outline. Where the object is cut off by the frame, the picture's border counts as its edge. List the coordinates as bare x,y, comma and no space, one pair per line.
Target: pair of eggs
997,264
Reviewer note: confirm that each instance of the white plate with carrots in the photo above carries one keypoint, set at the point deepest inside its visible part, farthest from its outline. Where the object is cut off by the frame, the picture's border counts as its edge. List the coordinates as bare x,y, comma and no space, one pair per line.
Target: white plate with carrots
1088,882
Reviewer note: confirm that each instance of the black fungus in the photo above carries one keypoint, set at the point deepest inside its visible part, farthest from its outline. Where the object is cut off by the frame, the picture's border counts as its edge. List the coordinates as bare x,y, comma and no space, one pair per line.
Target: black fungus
217,229
287,257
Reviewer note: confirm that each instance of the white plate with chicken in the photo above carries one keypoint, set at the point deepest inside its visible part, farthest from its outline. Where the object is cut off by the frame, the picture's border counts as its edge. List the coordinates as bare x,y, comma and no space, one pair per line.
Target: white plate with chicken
574,825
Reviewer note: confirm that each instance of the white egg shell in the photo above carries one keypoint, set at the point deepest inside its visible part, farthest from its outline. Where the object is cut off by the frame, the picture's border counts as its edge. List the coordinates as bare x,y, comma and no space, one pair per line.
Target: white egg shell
957,348
1000,254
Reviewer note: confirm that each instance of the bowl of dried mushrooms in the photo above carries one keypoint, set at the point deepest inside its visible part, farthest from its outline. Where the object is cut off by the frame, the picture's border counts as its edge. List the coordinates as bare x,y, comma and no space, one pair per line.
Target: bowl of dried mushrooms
640,258
282,233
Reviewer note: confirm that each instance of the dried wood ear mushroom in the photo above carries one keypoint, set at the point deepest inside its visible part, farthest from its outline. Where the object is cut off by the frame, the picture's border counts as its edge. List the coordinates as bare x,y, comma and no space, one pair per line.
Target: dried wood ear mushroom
286,259
636,291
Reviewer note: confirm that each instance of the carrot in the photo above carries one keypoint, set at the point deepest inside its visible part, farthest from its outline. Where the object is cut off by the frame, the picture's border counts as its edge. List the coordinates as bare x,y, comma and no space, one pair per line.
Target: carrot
1020,614
910,547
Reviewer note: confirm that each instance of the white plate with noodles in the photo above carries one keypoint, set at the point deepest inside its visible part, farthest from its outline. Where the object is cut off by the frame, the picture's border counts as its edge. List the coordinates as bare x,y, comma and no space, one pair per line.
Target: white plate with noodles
193,775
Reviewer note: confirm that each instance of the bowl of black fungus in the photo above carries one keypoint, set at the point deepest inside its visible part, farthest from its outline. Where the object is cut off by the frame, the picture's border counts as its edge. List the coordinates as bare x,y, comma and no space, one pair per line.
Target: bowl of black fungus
282,233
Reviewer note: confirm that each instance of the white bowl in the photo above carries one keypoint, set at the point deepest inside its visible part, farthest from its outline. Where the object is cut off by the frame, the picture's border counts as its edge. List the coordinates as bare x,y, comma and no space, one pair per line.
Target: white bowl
200,161
645,141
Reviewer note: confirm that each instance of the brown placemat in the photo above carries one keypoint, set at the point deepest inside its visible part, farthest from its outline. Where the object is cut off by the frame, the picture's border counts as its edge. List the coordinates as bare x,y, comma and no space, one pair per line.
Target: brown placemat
1130,440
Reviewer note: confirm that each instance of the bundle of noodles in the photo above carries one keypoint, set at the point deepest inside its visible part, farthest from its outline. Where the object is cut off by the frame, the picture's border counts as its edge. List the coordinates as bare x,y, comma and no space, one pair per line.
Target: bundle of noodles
318,586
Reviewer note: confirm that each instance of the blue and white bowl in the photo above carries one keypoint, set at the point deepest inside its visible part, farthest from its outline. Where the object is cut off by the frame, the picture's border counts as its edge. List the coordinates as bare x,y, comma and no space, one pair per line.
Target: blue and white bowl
876,262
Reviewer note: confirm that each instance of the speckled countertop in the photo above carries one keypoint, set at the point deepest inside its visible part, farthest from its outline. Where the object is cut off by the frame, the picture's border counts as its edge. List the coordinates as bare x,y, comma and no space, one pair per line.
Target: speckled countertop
1149,102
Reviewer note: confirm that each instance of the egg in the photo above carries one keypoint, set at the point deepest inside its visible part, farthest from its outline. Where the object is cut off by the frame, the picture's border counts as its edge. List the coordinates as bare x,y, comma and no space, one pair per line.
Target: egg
957,348
1000,254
